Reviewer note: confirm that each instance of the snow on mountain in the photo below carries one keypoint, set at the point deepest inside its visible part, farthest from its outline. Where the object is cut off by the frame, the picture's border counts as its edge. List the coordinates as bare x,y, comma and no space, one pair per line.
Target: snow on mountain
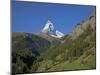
50,30
48,27
59,34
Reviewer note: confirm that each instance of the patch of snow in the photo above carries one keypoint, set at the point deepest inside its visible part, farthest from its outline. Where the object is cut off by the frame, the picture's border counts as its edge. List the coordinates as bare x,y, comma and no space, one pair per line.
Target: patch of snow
59,34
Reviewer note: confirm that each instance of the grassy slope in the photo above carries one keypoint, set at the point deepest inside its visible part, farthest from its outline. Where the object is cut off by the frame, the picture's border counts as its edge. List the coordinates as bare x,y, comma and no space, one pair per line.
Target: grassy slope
86,61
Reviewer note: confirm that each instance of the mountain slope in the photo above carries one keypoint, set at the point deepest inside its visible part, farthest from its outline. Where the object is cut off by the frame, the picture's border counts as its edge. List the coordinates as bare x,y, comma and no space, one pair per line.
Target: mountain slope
78,50
80,28
26,47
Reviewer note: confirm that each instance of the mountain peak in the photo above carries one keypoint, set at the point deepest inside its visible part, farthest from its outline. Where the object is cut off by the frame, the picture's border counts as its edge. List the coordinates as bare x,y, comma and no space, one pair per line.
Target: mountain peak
48,27
50,30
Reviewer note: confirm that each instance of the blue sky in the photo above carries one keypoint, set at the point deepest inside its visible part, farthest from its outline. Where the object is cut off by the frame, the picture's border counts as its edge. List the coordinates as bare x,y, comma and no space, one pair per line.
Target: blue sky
32,16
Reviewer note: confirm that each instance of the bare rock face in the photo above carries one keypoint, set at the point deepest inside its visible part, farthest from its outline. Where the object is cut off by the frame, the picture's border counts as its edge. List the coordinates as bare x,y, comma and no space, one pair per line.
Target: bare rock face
88,24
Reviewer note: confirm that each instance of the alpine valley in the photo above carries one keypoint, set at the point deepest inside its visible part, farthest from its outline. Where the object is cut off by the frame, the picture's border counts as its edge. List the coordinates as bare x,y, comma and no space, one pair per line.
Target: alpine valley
51,50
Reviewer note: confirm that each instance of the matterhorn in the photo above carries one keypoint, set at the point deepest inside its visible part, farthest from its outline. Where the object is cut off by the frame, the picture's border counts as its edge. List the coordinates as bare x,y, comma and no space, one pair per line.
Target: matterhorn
51,31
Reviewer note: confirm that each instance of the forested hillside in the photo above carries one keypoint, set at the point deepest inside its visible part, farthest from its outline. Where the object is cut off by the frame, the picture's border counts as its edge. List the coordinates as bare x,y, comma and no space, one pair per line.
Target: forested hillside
26,47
